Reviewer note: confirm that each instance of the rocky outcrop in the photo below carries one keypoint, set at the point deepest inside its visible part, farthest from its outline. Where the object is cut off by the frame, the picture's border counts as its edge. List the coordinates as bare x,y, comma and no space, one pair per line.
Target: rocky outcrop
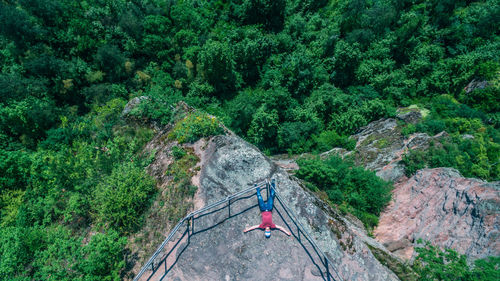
476,84
438,205
445,208
380,145
229,164
132,104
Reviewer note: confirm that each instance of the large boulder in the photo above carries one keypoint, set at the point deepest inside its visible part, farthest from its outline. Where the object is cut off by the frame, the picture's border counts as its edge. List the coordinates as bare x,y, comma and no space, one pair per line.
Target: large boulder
445,208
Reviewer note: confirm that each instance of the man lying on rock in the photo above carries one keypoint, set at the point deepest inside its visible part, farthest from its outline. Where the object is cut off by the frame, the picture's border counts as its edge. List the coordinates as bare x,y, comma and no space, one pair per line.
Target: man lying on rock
267,215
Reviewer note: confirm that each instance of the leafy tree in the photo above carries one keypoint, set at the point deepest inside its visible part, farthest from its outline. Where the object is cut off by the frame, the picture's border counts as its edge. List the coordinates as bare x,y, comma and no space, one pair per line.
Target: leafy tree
111,60
157,42
14,169
251,53
346,57
17,25
298,72
218,68
266,12
241,110
264,126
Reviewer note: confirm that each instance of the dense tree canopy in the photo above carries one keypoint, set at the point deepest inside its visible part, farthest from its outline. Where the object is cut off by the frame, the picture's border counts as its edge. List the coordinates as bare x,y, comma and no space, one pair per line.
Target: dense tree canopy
287,75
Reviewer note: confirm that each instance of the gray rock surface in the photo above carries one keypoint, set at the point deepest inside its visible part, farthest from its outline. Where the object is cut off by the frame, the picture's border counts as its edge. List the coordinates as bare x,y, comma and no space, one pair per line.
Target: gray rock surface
131,104
225,253
445,208
412,116
380,146
475,84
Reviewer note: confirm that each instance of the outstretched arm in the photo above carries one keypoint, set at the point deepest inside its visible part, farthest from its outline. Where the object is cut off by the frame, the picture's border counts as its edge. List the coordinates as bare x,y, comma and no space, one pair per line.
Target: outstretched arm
251,228
284,230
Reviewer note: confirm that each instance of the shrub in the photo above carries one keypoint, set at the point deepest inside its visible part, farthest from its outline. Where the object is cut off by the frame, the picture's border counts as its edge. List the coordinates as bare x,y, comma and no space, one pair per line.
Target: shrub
294,135
433,126
475,157
414,160
103,256
433,263
121,197
178,152
361,190
408,130
264,126
196,125
327,140
17,248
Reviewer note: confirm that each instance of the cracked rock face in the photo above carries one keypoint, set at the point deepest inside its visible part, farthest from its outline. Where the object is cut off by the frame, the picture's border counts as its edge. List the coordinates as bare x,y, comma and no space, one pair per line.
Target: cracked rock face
226,253
445,208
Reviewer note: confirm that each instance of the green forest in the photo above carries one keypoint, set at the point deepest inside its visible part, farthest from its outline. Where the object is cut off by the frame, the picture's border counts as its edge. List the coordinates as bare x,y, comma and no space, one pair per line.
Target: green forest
289,76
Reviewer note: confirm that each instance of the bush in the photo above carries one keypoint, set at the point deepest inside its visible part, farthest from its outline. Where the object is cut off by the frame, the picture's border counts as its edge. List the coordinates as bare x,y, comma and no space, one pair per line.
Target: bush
17,247
263,128
414,160
120,199
433,263
474,157
408,130
103,256
218,68
487,99
361,190
330,139
178,152
196,125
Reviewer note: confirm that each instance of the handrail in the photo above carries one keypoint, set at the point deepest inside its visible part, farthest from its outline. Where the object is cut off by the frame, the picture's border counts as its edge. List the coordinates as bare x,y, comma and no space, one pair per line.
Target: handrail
292,216
190,215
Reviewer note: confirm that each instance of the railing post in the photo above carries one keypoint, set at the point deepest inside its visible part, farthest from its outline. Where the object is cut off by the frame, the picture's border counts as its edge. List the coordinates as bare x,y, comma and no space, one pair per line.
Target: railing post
229,206
327,270
189,232
192,224
153,266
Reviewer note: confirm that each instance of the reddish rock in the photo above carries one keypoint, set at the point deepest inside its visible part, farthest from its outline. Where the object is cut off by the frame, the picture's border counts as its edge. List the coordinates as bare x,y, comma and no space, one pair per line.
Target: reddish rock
445,208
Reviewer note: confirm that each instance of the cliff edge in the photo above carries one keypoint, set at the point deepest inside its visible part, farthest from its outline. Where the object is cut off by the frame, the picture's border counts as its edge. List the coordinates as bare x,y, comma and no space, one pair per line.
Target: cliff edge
229,165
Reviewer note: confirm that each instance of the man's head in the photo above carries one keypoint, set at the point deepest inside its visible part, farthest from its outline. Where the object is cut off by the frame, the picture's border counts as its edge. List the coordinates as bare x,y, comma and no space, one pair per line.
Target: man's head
267,232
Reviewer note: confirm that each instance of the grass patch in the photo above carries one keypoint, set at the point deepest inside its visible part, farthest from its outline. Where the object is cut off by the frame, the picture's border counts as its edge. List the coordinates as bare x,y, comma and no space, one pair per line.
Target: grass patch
403,271
382,143
194,126
180,189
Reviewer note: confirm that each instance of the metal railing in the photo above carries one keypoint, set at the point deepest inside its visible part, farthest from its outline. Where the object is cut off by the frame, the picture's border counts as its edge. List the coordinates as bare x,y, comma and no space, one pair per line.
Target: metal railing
186,228
300,234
